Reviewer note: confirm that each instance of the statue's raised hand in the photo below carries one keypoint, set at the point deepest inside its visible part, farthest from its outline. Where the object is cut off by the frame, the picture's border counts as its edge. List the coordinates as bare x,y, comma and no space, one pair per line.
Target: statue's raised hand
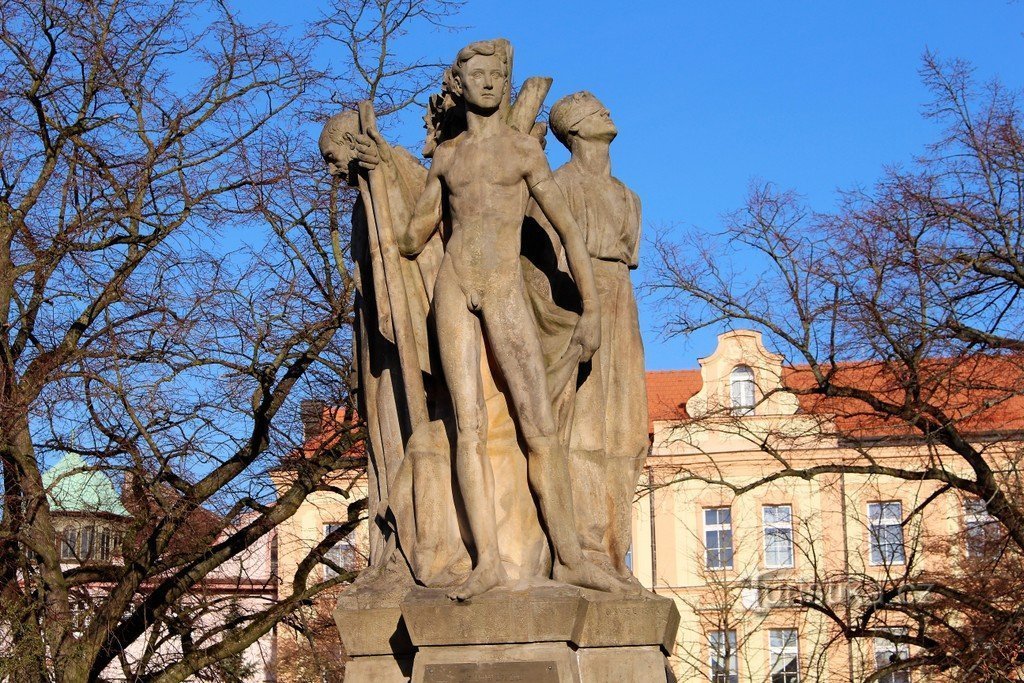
370,149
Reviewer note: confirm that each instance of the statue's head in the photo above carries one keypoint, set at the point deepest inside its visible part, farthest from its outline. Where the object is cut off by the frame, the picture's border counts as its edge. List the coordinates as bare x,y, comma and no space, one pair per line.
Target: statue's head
480,74
336,143
581,115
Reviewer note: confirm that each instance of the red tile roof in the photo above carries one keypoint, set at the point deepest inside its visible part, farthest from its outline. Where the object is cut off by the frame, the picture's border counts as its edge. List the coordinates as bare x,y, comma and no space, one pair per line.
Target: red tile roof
668,391
979,393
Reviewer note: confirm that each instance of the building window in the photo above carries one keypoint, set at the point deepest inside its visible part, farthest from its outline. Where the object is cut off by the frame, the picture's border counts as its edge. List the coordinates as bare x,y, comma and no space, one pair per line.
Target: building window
342,553
778,536
785,655
85,542
983,531
69,544
718,537
741,390
105,542
887,653
724,660
103,545
88,543
885,532
628,559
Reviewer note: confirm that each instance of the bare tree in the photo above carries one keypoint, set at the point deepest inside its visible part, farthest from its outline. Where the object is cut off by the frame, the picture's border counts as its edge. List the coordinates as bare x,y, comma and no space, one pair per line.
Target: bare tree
368,33
173,282
899,314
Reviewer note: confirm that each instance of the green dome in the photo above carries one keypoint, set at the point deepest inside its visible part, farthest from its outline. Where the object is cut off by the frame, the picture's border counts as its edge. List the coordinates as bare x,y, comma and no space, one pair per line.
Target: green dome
70,487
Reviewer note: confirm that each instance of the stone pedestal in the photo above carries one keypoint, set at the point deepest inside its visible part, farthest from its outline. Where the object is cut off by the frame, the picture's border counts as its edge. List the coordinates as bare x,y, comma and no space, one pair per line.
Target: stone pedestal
547,634
377,641
530,663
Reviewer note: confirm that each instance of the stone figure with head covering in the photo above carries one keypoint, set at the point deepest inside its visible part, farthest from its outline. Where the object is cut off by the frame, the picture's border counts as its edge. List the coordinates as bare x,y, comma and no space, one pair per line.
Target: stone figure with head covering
608,436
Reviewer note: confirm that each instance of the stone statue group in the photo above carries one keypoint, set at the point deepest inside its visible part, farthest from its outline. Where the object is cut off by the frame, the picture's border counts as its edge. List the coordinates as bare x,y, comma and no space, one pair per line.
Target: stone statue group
501,371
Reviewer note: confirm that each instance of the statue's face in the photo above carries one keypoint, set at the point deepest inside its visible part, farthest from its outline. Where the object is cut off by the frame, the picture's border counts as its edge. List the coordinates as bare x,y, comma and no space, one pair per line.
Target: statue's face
338,156
597,125
483,81
337,146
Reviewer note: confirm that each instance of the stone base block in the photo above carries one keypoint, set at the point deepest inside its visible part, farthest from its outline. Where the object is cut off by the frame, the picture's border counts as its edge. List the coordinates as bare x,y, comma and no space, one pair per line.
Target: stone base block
613,620
621,664
378,669
559,613
541,634
377,641
378,631
501,616
526,663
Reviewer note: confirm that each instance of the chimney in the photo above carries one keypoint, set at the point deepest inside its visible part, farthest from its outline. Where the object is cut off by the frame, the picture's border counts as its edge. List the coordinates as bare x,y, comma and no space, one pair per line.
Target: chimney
311,412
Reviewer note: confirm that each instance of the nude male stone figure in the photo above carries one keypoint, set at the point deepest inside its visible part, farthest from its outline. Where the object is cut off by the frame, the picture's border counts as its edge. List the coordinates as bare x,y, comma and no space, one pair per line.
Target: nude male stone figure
484,178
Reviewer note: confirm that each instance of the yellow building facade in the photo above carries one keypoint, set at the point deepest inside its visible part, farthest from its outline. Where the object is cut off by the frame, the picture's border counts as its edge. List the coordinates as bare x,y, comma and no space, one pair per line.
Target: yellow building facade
739,559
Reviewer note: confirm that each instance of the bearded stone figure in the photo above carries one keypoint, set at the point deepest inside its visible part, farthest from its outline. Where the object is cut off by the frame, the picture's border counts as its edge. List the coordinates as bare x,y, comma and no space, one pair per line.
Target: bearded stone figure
502,384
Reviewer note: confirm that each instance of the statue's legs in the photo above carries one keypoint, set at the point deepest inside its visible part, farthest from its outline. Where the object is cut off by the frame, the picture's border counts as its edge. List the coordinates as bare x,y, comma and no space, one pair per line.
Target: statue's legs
459,331
513,338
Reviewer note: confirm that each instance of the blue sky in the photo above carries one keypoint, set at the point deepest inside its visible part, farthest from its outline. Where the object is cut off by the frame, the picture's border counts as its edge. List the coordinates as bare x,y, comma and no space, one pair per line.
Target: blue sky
708,96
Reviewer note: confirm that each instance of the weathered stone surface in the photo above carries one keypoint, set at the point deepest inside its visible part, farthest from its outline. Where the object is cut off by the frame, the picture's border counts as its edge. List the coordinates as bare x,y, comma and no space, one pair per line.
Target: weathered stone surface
538,672
461,305
378,631
542,614
379,669
502,383
611,619
608,441
532,663
622,664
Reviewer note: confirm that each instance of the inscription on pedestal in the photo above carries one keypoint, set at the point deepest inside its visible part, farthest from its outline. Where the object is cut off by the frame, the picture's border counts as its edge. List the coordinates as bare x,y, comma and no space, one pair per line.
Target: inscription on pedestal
488,672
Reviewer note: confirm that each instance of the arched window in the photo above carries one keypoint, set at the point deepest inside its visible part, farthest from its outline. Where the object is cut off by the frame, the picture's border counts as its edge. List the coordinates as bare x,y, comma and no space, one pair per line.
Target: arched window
741,390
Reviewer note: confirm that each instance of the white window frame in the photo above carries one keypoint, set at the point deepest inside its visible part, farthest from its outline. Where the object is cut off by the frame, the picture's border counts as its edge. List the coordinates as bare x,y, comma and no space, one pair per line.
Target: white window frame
104,544
87,542
718,528
722,646
784,654
69,543
775,528
342,553
884,650
742,390
881,516
981,528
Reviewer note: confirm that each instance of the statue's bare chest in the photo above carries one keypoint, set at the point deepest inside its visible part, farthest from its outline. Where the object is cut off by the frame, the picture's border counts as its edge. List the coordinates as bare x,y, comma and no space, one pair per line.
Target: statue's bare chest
476,168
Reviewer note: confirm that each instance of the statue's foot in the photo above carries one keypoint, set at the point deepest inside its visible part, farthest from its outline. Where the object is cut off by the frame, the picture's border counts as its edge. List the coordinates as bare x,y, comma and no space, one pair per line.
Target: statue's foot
588,575
482,579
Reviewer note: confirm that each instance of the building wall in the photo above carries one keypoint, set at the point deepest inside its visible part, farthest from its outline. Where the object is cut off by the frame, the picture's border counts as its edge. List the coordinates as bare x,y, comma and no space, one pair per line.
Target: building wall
86,500
300,533
691,455
316,654
246,583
